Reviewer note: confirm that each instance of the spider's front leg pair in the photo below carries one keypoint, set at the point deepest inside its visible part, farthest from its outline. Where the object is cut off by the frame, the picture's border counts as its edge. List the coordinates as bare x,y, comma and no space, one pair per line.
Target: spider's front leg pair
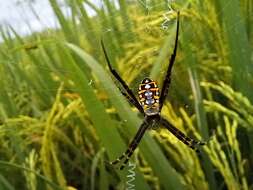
150,105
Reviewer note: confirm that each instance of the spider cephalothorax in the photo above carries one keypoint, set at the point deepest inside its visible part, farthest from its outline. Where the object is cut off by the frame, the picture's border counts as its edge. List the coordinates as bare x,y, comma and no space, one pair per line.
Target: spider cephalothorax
150,104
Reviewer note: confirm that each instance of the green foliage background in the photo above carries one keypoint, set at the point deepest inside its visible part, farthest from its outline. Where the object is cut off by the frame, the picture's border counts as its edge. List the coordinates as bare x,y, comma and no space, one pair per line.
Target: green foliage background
63,118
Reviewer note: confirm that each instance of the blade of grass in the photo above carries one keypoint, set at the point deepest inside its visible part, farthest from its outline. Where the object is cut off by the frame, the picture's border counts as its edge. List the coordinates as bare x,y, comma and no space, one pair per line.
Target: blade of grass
104,183
198,102
125,17
52,184
94,166
88,26
105,127
114,24
4,184
5,100
70,36
239,48
22,74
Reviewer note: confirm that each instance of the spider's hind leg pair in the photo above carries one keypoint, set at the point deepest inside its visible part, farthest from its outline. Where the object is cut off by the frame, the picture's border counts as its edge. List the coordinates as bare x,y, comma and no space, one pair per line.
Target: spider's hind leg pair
150,104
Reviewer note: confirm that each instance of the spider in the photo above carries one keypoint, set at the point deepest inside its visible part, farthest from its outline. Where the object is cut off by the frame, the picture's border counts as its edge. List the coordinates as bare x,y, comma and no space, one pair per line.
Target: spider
150,105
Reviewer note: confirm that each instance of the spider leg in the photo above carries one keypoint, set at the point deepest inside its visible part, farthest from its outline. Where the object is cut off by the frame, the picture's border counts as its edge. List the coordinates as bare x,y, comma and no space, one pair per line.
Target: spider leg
192,143
129,95
166,82
132,146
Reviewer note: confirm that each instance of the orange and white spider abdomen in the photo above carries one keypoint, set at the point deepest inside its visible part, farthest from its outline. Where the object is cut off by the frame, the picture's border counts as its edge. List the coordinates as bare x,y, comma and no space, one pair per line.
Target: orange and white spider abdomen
149,96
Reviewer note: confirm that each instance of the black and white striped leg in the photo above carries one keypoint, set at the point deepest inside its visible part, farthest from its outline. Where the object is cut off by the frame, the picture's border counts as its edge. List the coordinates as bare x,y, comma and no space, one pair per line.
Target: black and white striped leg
166,82
132,146
130,94
192,143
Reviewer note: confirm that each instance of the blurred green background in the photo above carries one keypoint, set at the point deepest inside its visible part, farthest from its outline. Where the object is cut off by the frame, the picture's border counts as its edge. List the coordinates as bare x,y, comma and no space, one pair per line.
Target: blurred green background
62,118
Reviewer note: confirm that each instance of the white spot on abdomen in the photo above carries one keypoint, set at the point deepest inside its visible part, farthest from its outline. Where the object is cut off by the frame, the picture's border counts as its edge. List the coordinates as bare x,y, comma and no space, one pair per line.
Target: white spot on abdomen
147,86
150,101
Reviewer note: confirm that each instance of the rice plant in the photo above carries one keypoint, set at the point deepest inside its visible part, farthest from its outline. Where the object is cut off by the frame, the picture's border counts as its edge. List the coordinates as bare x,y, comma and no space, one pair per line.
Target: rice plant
63,119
